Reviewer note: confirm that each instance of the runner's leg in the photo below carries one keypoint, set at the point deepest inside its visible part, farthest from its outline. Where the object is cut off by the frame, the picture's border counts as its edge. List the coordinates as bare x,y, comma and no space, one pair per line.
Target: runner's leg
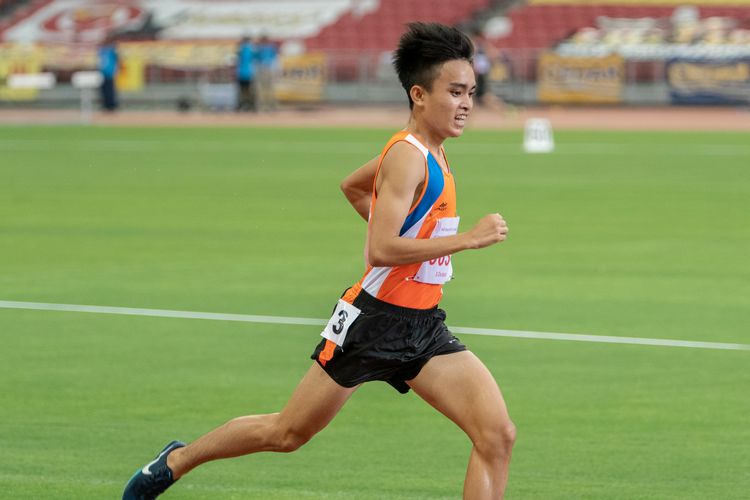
312,406
460,386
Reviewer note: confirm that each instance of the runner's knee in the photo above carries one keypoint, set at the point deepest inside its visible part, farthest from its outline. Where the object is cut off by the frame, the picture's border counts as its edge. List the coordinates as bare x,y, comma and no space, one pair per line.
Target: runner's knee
290,439
497,440
509,434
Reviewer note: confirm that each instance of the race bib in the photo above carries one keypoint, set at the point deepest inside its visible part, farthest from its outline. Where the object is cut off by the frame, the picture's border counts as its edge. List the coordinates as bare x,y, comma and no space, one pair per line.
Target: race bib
438,271
338,326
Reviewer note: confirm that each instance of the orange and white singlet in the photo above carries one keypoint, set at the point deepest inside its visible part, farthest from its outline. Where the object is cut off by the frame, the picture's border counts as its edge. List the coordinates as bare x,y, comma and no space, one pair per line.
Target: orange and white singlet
418,285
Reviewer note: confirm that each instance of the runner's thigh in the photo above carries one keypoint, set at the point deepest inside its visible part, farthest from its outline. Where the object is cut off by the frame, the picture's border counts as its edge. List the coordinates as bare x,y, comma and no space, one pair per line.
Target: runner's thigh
459,386
314,403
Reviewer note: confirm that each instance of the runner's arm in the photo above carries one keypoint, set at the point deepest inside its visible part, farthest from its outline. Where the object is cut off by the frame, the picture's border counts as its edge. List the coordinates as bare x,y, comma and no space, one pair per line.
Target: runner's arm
357,187
401,174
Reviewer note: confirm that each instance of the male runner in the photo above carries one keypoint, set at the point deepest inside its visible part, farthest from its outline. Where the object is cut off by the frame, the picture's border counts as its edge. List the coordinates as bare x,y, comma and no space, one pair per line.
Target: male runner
388,322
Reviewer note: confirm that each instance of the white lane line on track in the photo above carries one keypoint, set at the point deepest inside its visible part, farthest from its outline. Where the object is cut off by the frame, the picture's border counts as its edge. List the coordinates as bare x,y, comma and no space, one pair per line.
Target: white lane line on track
286,320
357,147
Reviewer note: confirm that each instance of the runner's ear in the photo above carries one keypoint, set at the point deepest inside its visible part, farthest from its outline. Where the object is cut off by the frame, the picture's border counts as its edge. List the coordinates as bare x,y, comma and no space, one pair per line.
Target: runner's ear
417,94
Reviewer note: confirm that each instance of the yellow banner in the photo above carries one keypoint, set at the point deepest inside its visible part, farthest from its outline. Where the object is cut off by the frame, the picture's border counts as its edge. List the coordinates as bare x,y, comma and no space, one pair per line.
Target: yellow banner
18,59
130,75
303,78
709,82
595,80
710,76
198,54
194,55
68,56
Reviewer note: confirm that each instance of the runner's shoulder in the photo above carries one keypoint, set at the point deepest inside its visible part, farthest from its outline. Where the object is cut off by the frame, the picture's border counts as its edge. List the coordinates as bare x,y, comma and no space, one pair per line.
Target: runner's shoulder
403,158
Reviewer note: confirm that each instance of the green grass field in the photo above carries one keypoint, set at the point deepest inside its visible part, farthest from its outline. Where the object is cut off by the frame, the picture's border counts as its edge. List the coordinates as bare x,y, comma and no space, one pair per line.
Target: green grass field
620,234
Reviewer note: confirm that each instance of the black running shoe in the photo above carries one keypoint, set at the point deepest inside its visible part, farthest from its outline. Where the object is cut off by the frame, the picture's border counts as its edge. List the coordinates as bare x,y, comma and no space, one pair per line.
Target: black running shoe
155,477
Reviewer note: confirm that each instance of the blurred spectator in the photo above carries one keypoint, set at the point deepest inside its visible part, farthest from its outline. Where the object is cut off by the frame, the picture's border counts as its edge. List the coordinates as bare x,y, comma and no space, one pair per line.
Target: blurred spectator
740,37
484,55
586,36
108,66
268,62
654,36
245,72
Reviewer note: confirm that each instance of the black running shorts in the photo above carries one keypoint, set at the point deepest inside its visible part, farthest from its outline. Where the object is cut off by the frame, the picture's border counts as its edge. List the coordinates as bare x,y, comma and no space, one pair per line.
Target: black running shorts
389,343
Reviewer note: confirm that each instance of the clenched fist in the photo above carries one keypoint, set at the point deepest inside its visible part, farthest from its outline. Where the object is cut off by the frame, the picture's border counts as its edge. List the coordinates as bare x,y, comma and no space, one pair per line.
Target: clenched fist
489,230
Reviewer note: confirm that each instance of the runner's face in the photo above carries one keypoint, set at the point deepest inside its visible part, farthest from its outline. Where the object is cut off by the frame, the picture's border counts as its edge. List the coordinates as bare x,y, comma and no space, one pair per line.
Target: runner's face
447,105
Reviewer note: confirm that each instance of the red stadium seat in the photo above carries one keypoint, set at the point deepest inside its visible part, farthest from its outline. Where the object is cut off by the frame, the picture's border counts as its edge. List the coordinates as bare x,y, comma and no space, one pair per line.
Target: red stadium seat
380,30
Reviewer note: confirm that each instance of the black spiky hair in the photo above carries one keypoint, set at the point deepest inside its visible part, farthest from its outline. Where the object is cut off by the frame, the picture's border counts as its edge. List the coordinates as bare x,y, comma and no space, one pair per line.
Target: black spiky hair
423,49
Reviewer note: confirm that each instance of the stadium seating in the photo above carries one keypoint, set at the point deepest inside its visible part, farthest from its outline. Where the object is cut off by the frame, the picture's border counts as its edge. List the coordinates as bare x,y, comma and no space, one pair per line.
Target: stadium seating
374,28
11,11
544,24
381,29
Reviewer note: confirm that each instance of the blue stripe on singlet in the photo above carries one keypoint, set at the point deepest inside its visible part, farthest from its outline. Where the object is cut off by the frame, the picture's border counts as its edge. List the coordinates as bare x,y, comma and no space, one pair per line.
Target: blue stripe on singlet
434,189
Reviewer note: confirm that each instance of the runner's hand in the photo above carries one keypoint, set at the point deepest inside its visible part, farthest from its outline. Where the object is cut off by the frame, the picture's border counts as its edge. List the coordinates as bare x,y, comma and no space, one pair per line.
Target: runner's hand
489,230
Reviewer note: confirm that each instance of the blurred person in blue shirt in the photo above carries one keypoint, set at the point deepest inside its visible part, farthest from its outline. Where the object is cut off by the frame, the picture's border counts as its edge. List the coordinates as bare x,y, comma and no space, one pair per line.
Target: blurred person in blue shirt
109,62
268,62
247,56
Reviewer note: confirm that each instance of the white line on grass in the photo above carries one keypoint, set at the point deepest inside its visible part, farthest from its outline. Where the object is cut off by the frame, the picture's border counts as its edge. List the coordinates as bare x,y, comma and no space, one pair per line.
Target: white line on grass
357,147
286,320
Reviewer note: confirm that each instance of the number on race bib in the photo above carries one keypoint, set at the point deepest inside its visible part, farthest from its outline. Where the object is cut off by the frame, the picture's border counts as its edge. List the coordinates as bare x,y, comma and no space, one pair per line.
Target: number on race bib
438,271
341,319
